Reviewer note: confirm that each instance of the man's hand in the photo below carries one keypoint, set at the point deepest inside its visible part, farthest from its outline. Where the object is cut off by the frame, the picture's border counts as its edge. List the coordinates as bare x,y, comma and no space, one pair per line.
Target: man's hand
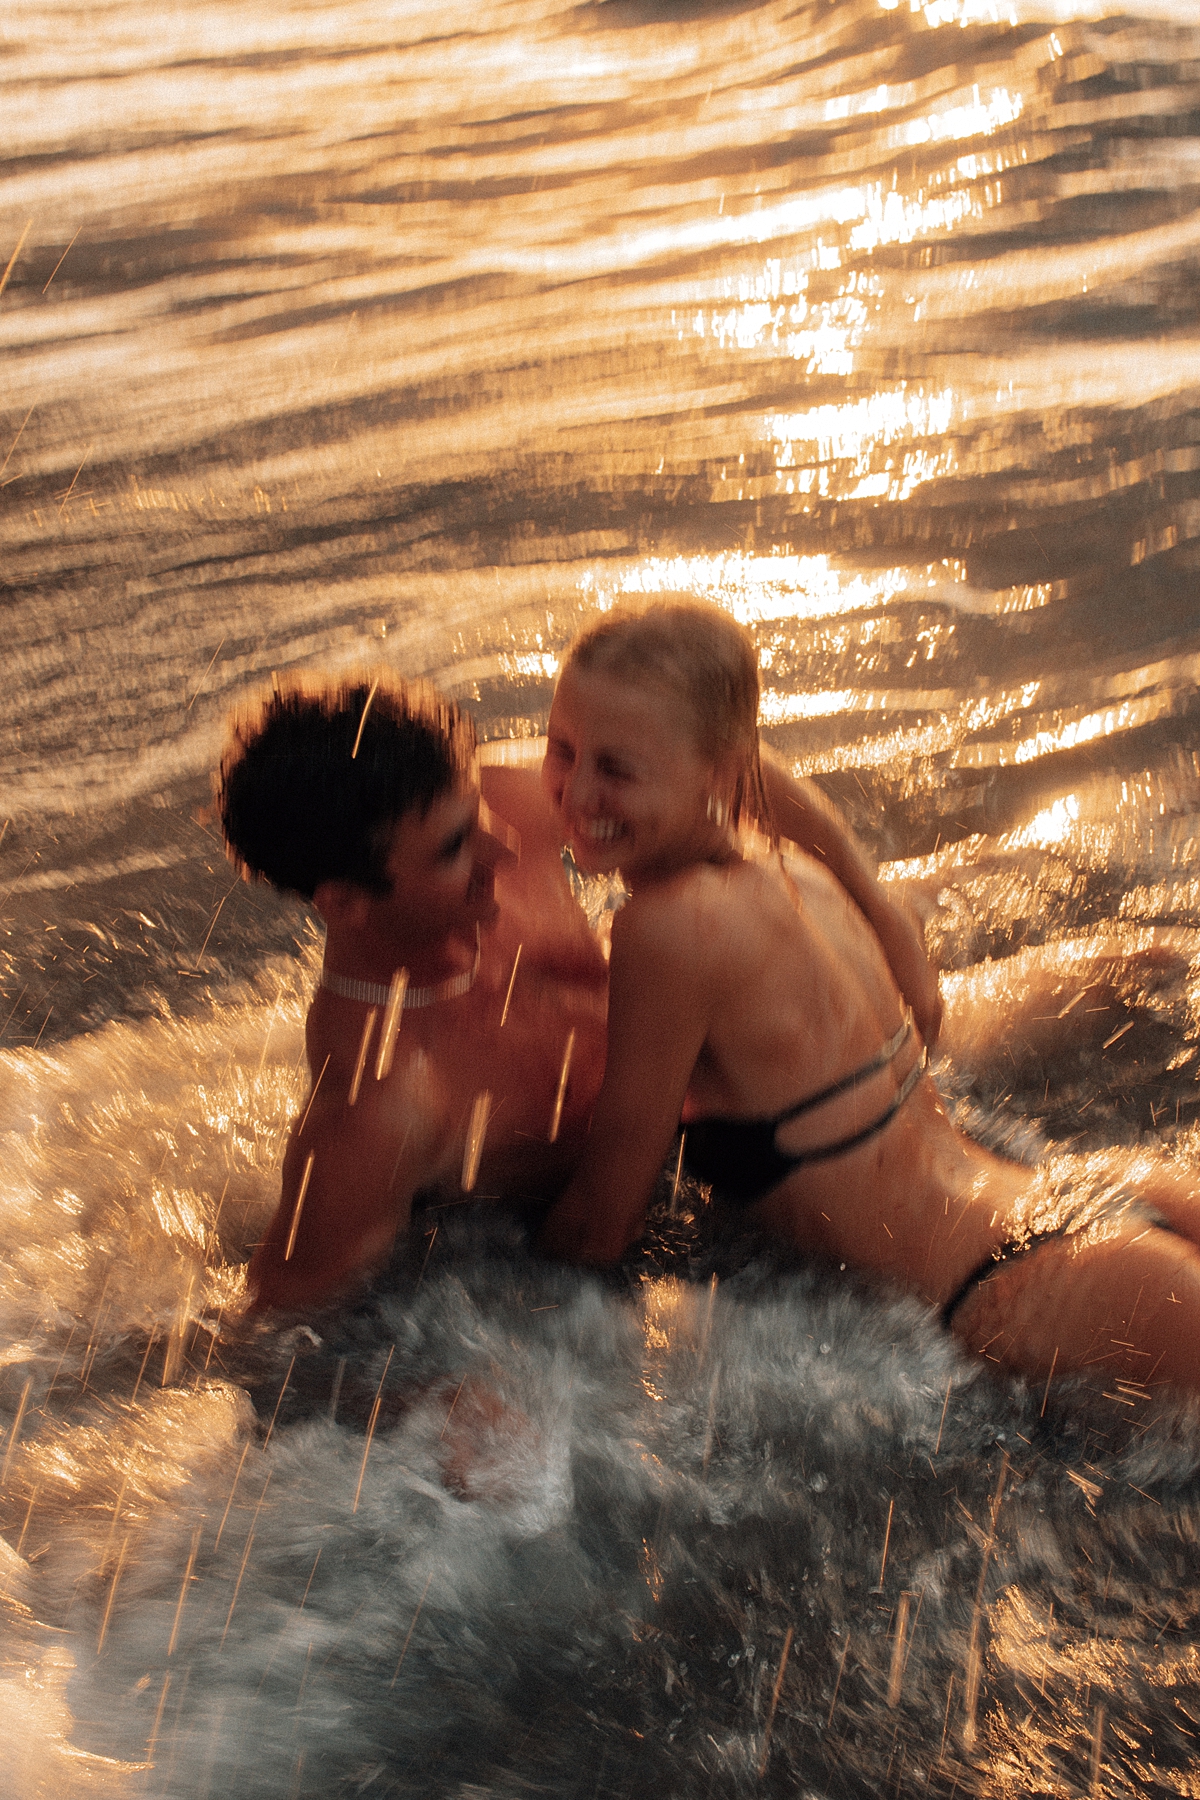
801,812
903,944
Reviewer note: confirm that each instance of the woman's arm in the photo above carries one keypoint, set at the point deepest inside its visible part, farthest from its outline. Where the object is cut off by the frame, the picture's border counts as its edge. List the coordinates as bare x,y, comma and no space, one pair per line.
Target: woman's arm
800,811
658,1014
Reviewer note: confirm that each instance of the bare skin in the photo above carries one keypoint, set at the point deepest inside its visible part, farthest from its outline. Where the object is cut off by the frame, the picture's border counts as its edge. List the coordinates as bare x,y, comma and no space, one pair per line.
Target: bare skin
407,1131
1077,996
735,992
358,1163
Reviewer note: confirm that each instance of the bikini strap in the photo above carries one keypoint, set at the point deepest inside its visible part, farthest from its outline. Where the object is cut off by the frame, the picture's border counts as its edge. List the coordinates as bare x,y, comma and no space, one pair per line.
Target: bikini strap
888,1054
796,1157
1005,1252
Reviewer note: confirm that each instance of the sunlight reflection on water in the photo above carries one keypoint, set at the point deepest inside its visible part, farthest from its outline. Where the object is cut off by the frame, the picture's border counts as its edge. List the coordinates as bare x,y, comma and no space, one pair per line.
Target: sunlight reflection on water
344,334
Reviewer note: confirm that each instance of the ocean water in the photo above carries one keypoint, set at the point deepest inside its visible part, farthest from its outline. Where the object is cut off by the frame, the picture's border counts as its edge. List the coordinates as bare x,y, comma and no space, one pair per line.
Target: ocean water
342,335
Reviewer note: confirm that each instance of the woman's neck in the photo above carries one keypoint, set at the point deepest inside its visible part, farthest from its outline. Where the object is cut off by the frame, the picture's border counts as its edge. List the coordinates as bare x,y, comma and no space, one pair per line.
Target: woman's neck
709,854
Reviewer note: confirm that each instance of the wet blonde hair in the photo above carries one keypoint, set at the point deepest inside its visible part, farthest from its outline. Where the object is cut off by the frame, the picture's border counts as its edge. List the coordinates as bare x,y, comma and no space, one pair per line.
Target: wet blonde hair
704,657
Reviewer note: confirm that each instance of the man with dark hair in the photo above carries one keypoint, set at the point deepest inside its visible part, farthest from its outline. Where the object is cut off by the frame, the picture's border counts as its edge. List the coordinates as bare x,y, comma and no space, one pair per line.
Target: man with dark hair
456,1041
315,776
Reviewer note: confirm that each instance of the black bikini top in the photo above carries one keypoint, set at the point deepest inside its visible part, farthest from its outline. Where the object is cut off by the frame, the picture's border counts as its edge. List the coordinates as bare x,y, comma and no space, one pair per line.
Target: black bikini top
739,1157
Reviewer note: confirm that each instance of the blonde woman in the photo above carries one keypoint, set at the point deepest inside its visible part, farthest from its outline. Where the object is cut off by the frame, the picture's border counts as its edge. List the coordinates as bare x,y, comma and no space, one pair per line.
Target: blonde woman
752,1000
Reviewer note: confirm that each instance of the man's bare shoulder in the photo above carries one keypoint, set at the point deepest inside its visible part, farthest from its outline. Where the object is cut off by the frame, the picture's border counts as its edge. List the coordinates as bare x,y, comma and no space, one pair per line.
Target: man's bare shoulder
362,1113
361,1146
515,793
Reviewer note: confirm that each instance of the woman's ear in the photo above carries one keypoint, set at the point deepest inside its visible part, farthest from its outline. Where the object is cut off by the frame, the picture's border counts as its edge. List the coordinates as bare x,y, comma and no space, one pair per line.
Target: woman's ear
343,904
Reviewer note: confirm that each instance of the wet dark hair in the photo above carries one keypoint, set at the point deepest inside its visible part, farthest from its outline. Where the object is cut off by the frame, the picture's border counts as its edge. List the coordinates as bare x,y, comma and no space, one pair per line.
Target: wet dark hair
702,655
316,775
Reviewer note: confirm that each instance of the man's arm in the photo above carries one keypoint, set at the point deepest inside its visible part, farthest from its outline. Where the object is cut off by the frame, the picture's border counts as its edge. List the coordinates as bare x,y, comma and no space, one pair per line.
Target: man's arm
516,794
800,811
349,1176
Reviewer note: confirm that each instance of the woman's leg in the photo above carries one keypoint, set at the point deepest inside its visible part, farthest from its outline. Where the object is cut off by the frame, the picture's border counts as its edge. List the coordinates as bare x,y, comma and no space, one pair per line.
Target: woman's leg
1060,1000
1125,1310
1167,1187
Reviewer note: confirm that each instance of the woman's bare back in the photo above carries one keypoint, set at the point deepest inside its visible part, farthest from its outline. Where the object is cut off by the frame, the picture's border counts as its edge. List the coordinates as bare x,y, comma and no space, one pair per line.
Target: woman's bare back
803,997
804,991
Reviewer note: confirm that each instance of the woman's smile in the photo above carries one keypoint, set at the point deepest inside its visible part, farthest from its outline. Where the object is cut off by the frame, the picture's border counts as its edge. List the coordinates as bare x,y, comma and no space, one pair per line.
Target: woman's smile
622,769
602,831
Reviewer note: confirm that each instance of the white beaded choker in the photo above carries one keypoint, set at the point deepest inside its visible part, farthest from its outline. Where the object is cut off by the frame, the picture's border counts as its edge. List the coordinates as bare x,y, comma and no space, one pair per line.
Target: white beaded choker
373,993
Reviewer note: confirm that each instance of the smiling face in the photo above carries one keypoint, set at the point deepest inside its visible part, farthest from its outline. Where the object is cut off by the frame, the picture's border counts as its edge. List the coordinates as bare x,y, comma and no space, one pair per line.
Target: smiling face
631,787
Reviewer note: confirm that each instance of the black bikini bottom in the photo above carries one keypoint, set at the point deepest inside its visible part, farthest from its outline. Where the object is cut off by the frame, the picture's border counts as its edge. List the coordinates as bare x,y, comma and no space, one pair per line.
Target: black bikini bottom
1075,1204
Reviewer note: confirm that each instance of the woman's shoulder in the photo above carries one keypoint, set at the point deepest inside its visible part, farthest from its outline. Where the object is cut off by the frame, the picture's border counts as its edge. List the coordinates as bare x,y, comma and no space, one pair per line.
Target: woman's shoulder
696,913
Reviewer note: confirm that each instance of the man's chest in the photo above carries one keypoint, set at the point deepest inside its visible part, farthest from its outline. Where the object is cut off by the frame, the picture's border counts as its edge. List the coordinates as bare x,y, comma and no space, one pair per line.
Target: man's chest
514,1083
